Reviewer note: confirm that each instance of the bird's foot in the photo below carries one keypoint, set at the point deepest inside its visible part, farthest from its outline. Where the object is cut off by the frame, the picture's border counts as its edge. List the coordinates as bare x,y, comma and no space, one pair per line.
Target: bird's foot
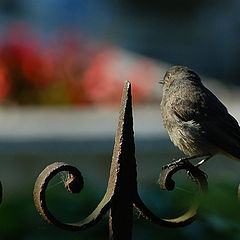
200,163
181,161
186,160
177,162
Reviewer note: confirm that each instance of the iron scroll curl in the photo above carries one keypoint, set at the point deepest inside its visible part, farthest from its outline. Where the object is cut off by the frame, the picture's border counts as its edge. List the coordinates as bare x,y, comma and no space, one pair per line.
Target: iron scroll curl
73,185
166,183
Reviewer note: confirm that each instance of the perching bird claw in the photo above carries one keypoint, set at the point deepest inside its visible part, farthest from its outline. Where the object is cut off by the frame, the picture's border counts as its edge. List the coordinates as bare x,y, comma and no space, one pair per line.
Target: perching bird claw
174,163
165,179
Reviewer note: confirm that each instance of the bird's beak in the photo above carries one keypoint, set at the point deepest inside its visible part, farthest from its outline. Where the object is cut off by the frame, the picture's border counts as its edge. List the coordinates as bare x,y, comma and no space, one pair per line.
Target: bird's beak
161,82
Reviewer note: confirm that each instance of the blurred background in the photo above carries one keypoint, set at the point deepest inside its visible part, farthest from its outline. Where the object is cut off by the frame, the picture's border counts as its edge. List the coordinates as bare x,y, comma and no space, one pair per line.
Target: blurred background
63,65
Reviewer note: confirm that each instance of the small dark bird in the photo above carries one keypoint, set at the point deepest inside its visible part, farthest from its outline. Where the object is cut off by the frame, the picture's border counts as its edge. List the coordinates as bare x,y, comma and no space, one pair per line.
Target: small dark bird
196,121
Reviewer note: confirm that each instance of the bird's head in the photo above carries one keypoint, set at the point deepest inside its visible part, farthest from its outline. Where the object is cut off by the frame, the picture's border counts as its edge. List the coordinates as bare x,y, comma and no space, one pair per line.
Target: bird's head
179,74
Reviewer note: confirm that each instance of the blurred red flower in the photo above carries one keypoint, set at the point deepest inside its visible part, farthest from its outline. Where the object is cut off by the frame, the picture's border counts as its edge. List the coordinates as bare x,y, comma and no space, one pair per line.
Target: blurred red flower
104,78
65,71
4,83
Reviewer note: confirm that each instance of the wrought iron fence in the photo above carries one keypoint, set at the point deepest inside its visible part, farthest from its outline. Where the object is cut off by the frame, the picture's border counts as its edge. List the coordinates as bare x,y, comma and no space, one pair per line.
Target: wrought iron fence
122,192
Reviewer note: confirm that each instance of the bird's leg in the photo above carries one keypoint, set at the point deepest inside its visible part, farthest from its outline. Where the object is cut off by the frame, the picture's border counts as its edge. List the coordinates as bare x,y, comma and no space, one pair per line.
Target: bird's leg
198,165
203,161
182,160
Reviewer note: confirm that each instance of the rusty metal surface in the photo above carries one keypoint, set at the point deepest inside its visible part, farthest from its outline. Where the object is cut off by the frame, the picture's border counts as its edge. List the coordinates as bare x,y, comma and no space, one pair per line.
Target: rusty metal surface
77,183
121,194
124,166
166,183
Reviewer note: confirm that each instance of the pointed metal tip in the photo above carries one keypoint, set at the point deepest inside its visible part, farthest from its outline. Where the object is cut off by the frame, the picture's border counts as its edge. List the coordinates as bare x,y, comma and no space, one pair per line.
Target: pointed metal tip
127,83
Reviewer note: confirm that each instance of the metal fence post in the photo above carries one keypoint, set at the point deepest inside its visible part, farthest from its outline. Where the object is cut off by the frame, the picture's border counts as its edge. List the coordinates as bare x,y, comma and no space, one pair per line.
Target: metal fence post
124,164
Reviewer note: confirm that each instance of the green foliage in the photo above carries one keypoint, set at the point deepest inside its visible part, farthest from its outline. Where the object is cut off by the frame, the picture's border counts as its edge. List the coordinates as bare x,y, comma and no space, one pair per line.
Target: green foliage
219,215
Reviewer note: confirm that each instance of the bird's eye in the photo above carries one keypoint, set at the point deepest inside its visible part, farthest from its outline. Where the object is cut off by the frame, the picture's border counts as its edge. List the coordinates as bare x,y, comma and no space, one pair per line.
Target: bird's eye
168,75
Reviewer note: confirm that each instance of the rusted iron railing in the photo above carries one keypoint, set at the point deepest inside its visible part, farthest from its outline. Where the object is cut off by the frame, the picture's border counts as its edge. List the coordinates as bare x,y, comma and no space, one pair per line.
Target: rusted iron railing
122,192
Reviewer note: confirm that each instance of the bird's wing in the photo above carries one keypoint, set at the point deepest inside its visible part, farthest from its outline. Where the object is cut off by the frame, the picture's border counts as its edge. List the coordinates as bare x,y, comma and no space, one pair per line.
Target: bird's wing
218,126
224,132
